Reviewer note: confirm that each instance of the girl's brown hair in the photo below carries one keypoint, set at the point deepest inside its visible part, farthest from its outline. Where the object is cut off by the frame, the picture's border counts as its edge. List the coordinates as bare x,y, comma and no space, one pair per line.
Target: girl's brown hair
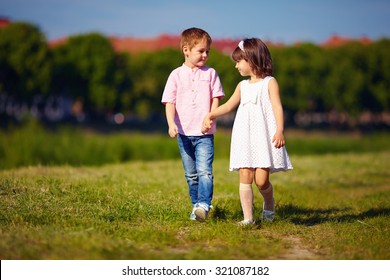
256,53
192,36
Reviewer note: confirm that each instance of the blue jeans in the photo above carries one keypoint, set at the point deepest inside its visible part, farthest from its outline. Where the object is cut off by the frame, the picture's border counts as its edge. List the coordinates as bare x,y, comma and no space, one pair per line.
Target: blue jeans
197,154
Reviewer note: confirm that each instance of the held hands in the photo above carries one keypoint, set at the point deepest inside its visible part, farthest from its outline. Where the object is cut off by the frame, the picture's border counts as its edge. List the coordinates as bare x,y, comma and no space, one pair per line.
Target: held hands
278,140
207,122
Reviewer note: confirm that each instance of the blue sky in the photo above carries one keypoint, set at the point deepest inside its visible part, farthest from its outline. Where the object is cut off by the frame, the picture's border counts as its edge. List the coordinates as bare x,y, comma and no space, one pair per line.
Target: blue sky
285,21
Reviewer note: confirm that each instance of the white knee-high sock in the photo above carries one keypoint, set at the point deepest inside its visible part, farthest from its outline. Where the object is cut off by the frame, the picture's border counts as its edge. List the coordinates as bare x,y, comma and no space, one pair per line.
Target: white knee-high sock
268,195
246,198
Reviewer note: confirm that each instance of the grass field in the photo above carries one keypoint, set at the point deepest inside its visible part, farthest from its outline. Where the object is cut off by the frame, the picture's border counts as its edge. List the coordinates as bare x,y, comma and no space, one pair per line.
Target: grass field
331,206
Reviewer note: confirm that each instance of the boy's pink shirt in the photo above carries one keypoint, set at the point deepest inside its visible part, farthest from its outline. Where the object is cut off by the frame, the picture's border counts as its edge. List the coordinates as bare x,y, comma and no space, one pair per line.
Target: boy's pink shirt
192,90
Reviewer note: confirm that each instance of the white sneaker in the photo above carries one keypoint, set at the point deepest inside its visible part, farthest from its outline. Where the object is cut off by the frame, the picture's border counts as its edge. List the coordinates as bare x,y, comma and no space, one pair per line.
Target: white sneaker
268,216
248,222
192,215
201,210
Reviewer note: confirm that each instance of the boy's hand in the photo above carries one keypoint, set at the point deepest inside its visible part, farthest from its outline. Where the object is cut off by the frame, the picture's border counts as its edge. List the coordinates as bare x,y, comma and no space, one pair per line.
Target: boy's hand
173,131
206,126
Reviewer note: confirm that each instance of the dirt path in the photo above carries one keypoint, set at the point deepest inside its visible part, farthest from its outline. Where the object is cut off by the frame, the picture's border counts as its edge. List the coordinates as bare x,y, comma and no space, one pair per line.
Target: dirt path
297,250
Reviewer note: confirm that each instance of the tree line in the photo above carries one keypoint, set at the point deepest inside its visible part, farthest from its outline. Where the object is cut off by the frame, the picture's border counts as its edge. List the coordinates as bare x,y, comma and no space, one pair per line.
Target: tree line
87,76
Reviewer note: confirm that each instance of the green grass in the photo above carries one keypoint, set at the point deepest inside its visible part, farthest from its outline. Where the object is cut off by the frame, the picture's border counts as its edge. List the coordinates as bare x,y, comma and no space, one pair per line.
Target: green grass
32,145
331,206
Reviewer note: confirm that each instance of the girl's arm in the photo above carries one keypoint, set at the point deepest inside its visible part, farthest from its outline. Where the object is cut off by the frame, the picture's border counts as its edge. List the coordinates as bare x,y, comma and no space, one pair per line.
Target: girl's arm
170,111
277,108
229,106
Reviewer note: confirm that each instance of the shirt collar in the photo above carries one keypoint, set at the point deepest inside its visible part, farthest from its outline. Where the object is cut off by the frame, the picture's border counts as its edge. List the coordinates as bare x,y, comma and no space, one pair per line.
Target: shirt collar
193,69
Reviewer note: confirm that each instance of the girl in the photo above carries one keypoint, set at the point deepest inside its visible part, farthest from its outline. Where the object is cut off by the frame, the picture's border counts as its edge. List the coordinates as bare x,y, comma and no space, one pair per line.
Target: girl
257,144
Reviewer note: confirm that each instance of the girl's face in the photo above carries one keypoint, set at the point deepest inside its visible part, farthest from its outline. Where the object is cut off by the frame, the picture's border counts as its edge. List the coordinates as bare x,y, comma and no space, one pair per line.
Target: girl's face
198,55
244,68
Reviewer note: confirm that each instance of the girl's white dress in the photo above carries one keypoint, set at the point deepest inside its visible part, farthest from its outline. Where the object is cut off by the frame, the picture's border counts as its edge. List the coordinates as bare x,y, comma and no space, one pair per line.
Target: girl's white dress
253,129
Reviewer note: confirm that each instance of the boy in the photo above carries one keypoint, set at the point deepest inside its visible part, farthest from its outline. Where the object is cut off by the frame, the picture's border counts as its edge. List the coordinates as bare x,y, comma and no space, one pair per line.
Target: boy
191,91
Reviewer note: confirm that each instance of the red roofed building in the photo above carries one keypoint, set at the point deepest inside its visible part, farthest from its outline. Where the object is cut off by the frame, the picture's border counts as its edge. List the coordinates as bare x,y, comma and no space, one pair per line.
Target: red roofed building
130,44
4,22
337,41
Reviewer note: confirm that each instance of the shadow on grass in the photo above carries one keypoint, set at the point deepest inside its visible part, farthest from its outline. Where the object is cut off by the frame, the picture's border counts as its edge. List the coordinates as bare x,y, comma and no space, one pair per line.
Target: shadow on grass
312,216
222,213
231,210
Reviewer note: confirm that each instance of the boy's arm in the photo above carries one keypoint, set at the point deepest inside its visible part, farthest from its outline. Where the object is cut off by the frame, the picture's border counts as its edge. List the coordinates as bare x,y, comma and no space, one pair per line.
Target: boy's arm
214,103
170,111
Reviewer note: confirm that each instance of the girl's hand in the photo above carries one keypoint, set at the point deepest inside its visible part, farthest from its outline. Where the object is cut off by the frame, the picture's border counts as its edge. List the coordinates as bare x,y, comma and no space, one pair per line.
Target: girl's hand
278,140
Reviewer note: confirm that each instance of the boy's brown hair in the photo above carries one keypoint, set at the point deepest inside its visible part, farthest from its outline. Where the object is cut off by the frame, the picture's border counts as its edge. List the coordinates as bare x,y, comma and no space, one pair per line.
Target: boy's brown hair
192,36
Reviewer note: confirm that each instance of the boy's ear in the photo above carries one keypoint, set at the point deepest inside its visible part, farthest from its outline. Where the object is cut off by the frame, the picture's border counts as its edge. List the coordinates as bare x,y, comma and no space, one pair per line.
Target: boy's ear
185,49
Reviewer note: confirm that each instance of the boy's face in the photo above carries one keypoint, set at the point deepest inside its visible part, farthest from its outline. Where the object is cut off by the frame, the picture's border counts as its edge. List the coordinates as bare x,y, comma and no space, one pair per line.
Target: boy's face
198,55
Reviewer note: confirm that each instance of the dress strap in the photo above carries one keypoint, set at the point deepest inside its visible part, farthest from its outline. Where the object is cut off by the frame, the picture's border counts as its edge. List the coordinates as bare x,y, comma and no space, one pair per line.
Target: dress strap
265,83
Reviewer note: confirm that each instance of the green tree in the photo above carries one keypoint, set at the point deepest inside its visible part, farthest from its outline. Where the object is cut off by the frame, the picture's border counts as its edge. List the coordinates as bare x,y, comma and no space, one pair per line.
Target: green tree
378,72
300,71
87,69
25,64
225,67
150,71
